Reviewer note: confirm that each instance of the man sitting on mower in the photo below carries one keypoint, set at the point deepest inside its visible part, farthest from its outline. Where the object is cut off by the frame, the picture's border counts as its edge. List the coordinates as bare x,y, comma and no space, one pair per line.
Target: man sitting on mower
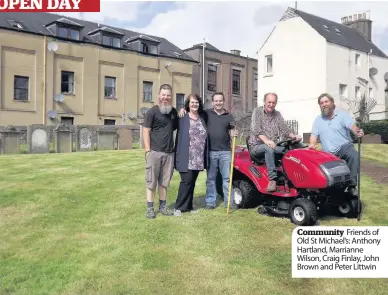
333,128
267,129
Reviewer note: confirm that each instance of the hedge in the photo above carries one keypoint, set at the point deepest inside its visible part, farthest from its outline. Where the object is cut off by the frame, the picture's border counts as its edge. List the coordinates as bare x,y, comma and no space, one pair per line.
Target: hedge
376,127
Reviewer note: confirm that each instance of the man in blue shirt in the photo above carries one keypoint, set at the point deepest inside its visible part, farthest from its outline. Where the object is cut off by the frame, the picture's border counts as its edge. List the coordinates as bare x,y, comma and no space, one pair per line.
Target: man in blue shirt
333,129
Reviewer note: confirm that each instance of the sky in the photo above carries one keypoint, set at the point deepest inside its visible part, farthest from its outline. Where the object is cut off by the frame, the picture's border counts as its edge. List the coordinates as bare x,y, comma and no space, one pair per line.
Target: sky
227,25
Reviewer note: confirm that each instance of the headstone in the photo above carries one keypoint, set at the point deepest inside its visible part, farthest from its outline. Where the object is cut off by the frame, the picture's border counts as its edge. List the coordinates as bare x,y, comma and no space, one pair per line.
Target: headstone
10,140
106,139
372,139
140,122
125,139
83,139
37,140
63,139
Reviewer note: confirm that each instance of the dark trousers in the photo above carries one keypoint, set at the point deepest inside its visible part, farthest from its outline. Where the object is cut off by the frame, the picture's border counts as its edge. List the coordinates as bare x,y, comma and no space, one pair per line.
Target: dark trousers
350,155
184,201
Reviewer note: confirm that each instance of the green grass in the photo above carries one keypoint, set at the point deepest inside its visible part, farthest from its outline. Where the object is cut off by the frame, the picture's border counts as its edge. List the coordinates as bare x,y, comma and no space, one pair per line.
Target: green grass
75,224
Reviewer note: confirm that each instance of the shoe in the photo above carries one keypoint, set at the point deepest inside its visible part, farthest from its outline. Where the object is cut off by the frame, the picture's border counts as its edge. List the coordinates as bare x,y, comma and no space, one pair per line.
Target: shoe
150,213
353,191
177,213
165,211
271,186
210,207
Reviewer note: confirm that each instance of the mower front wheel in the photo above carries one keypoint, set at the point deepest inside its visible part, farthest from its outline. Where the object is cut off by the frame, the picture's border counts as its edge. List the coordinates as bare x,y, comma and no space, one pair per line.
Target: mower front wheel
303,212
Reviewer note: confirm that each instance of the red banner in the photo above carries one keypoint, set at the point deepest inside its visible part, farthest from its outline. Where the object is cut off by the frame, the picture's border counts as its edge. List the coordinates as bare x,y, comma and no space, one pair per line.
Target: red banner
49,6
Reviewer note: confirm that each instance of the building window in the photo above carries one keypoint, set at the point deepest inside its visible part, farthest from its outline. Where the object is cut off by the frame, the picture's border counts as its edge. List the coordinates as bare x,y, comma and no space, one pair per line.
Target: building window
371,93
236,82
20,88
268,64
211,78
357,92
147,91
67,120
110,87
357,60
255,85
68,33
149,48
111,41
67,82
109,122
180,101
343,90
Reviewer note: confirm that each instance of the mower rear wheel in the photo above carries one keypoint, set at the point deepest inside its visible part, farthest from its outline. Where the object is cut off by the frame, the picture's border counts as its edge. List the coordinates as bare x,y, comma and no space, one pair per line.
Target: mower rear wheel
244,194
303,212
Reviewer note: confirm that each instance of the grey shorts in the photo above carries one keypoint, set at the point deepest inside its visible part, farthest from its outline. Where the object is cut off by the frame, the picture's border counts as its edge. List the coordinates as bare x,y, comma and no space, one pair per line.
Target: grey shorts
159,169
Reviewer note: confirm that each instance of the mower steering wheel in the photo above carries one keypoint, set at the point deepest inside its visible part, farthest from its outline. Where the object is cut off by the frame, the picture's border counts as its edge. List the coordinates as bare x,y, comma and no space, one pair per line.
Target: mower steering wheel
284,142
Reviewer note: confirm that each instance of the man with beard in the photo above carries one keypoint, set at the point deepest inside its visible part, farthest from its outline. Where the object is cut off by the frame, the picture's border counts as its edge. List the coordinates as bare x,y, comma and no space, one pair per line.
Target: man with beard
333,128
159,124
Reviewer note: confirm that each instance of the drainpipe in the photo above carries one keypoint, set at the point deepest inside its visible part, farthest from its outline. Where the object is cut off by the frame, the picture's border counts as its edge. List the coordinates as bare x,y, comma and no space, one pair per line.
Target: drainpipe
44,80
230,87
246,88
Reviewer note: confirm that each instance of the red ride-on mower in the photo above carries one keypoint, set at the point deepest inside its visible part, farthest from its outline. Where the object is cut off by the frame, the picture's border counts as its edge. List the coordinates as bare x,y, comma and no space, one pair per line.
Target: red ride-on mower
308,180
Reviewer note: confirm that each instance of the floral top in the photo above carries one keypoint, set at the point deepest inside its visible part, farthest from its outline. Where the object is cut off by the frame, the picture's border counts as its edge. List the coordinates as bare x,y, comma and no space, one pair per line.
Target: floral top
197,137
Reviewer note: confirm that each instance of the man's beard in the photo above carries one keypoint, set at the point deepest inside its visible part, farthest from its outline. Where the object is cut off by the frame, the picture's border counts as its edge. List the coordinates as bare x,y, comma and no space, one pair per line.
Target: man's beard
165,109
326,111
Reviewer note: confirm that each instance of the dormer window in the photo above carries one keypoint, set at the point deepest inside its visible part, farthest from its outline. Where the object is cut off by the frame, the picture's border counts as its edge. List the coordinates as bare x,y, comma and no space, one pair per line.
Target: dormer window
65,28
144,44
149,48
111,41
69,33
16,24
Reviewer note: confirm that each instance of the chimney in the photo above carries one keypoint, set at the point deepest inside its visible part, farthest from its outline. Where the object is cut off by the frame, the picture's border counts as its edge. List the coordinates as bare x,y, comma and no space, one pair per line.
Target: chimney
235,51
361,22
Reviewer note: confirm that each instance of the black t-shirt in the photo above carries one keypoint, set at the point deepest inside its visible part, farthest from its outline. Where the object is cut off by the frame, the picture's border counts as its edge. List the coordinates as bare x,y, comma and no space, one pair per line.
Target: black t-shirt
162,128
218,128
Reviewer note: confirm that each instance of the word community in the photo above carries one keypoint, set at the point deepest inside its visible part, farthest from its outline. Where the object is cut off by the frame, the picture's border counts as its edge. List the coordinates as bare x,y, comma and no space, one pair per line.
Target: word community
352,252
20,5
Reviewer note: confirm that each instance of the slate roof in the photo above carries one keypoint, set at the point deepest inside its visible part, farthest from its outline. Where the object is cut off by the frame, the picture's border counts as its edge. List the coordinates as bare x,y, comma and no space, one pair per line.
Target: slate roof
35,23
348,37
210,47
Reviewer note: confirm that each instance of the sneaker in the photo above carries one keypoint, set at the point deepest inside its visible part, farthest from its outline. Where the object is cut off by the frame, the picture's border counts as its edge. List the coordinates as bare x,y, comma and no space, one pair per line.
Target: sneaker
271,186
210,207
165,211
193,211
150,213
177,213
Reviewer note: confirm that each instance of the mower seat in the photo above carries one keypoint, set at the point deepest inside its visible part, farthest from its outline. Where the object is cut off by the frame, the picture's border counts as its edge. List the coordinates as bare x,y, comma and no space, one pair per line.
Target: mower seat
255,160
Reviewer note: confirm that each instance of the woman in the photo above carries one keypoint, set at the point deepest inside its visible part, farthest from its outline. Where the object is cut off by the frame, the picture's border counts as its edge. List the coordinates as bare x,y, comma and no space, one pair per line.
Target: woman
191,151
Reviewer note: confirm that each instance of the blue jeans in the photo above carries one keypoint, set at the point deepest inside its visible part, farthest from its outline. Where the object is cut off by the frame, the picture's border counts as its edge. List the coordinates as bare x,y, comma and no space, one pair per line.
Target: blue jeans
263,150
220,160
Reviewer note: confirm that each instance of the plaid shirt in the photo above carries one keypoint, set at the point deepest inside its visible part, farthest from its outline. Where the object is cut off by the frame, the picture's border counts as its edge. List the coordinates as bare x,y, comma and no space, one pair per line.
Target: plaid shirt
273,126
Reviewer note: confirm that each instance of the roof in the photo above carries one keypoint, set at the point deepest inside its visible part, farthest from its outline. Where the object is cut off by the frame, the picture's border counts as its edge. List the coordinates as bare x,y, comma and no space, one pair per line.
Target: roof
210,47
346,37
36,23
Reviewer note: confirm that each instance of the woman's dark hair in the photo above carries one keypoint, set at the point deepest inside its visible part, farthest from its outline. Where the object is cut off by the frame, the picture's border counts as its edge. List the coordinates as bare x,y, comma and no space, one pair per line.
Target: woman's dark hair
197,98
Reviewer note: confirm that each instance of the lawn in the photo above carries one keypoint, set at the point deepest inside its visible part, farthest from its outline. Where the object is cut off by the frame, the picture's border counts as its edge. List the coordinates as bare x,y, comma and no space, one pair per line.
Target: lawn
75,224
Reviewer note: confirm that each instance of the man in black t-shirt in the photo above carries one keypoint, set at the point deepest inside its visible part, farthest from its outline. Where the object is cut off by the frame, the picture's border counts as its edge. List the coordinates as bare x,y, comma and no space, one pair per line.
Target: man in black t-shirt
158,128
220,125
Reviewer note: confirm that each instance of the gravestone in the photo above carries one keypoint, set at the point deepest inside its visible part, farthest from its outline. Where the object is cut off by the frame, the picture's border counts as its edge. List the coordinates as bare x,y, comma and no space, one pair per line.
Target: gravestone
372,139
140,122
37,140
106,139
125,139
10,140
83,139
63,139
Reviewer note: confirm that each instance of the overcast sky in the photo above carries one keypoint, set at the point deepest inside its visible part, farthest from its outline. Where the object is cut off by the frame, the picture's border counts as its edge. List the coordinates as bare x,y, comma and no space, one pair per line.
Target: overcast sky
227,25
